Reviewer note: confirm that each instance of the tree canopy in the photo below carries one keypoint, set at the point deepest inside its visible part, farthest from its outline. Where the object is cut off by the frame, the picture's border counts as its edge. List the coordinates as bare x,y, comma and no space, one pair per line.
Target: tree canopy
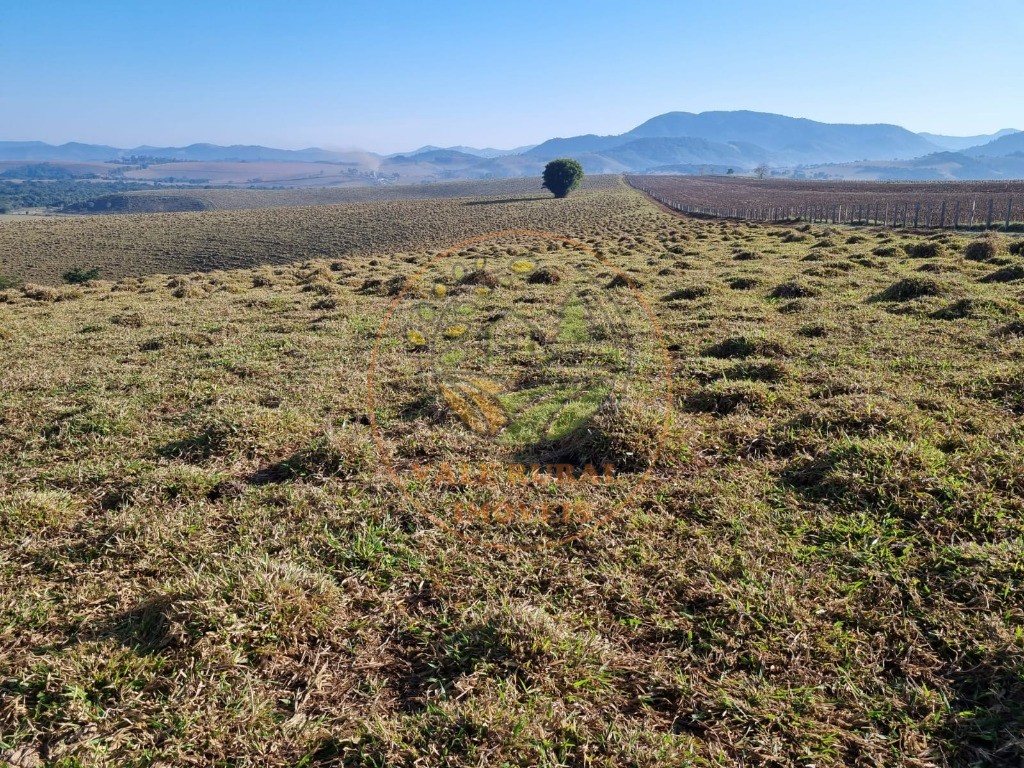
562,176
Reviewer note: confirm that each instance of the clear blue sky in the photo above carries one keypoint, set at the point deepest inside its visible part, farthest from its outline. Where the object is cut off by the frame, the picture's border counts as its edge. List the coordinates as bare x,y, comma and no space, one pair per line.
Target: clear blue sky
390,75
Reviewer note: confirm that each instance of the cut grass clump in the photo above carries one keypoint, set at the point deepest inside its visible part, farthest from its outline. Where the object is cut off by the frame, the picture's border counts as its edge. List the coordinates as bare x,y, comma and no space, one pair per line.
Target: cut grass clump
620,280
207,434
262,281
854,415
984,248
129,320
1009,274
40,292
629,436
545,276
910,481
185,288
481,277
391,287
794,306
793,290
746,346
321,288
338,454
690,293
866,261
928,249
816,331
971,308
188,292
888,251
1015,328
724,397
743,283
912,288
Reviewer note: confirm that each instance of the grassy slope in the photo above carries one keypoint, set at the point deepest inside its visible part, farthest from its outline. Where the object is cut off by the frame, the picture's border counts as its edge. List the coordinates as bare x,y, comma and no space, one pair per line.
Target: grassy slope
139,244
202,558
241,199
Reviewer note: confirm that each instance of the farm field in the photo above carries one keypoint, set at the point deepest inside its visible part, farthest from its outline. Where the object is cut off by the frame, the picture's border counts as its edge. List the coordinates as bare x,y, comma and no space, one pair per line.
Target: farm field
204,555
299,173
942,202
133,245
155,201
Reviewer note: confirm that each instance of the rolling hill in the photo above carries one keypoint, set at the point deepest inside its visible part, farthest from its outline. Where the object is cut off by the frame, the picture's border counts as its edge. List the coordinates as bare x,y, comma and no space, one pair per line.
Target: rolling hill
754,137
38,150
959,143
939,166
1012,144
487,152
790,139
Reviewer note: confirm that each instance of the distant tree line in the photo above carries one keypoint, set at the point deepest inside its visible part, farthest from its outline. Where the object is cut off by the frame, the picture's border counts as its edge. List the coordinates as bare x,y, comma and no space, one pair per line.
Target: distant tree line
53,194
44,171
145,160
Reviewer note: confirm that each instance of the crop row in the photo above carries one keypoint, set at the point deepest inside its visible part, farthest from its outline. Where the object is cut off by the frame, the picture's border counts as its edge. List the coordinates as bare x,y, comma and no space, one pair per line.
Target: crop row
955,204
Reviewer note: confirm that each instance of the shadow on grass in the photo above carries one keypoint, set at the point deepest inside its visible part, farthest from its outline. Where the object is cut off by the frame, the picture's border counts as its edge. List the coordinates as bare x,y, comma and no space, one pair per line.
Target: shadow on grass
987,717
435,663
507,200
278,472
153,626
326,456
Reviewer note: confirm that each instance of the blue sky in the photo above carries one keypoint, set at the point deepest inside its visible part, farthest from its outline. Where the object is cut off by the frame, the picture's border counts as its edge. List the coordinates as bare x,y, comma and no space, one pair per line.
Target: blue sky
389,75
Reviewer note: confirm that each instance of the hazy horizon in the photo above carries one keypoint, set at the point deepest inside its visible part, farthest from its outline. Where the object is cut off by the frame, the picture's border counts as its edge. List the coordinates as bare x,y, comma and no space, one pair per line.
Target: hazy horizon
342,148
392,77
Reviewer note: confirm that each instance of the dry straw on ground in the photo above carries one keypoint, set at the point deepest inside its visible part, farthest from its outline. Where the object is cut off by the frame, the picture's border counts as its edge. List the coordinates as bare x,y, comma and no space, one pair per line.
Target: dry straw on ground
202,560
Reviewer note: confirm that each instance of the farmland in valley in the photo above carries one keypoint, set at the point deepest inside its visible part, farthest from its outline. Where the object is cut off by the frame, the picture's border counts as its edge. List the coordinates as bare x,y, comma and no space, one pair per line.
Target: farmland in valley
203,554
932,202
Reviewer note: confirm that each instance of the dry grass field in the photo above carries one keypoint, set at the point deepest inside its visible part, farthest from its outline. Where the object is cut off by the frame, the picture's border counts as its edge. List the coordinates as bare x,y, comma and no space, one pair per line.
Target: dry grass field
133,245
160,200
246,173
205,560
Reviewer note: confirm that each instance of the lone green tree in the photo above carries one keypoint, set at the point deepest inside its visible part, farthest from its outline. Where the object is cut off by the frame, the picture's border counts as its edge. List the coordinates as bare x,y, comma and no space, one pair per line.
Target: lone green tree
562,176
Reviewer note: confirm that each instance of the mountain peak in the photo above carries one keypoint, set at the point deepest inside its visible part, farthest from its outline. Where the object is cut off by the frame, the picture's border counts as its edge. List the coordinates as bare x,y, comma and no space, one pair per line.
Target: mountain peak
711,141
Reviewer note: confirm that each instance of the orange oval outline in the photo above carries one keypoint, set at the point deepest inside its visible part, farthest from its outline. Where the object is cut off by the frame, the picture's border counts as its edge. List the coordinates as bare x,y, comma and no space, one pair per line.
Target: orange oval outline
596,522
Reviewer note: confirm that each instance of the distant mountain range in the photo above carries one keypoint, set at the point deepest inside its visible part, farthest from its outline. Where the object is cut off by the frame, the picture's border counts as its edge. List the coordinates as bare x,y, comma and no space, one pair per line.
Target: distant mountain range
238,153
37,151
676,142
957,143
487,152
785,140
